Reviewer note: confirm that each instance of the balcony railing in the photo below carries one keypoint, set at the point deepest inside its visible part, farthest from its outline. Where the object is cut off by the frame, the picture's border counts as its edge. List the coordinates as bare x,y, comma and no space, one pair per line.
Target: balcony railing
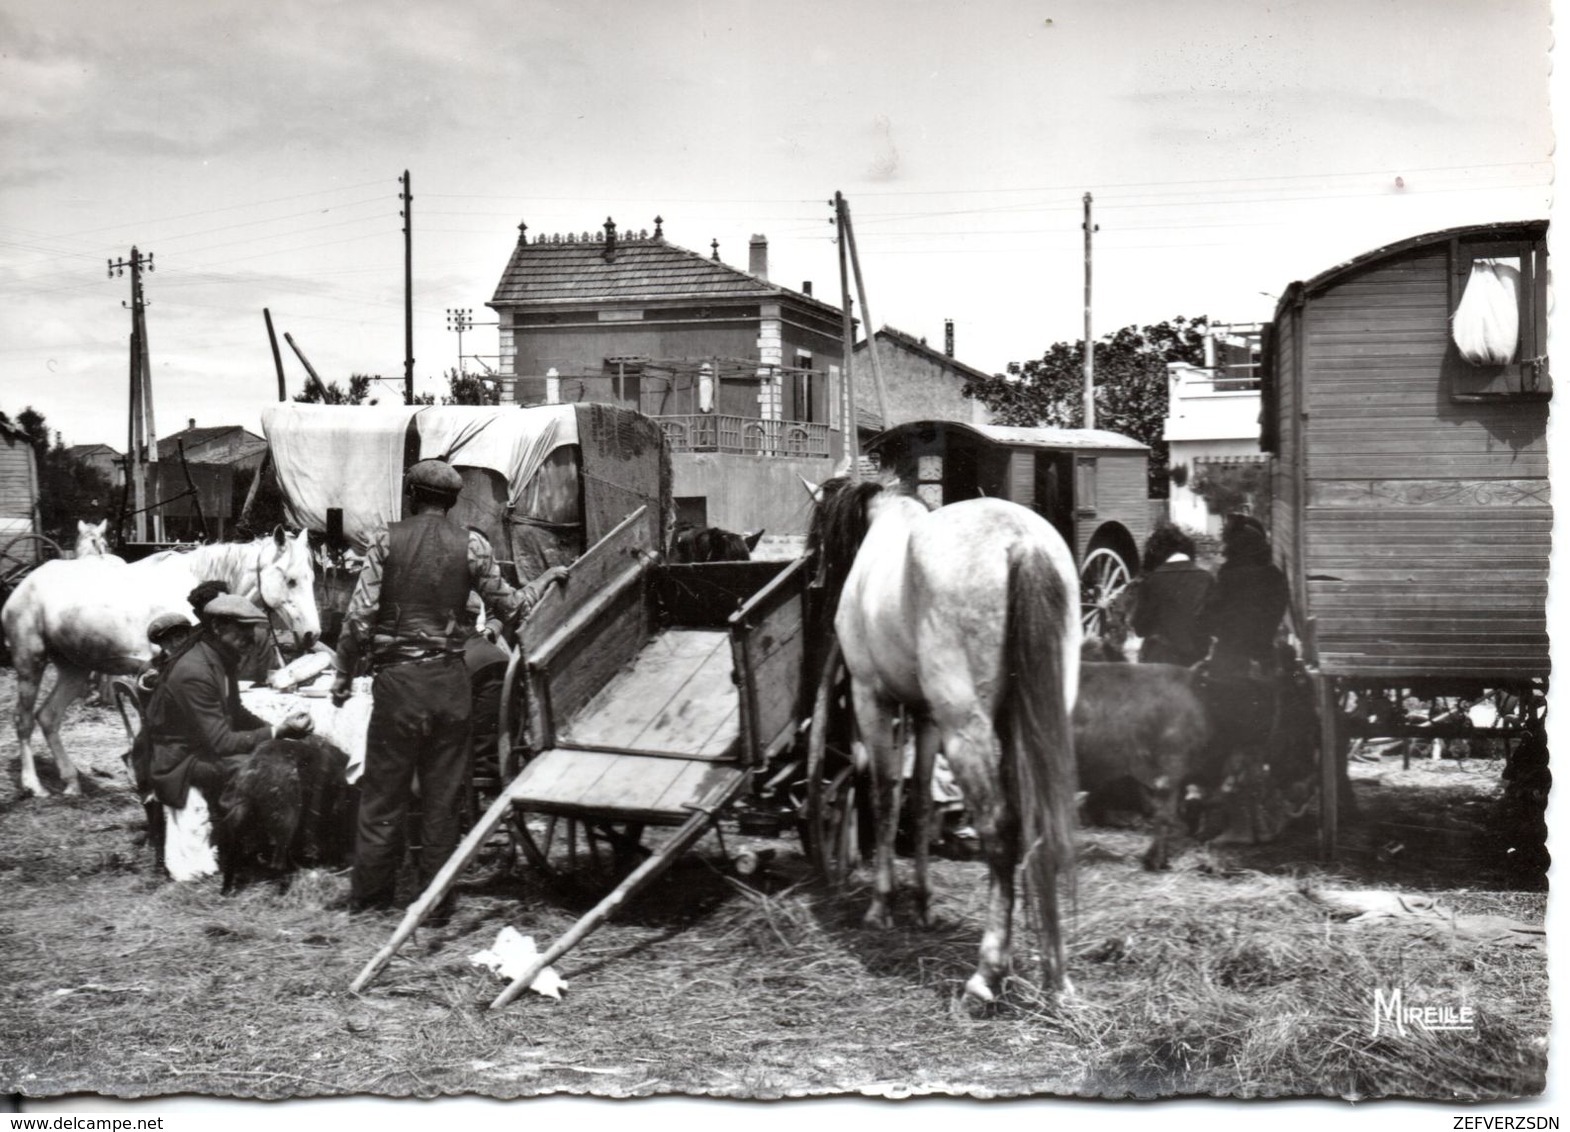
747,436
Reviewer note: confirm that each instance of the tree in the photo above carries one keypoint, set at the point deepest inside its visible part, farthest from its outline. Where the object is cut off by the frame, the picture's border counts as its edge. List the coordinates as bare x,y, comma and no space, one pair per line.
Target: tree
1131,385
68,489
334,394
467,389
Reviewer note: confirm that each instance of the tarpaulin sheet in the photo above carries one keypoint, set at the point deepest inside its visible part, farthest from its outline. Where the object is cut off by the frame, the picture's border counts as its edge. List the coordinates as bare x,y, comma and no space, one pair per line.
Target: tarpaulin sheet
512,442
348,456
351,457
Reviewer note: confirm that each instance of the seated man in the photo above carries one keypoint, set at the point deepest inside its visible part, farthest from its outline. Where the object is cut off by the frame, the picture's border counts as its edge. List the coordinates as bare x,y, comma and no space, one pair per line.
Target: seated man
197,729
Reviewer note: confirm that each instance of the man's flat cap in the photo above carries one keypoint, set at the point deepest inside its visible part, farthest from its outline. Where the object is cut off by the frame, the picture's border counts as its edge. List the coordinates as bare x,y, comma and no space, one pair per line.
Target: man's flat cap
436,476
232,607
166,623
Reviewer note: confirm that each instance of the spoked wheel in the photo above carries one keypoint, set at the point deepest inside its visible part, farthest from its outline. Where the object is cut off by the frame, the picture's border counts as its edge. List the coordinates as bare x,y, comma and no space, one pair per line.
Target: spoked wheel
21,554
584,850
835,824
1102,577
128,702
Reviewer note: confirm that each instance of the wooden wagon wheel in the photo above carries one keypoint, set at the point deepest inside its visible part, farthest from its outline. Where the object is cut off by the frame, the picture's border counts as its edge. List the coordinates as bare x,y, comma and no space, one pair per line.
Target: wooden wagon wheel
834,820
580,849
1102,577
21,554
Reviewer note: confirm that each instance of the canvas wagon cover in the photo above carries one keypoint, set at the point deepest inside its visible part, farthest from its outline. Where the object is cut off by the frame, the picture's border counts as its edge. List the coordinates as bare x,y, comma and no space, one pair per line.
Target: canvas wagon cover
352,456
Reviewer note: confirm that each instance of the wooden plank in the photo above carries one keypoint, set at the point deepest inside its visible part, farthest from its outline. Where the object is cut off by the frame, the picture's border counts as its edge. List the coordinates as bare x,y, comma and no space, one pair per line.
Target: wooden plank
586,660
769,645
676,697
622,787
587,577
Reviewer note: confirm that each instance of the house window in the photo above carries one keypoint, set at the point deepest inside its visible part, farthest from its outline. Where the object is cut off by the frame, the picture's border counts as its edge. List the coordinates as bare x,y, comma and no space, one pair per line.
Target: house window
1524,264
806,396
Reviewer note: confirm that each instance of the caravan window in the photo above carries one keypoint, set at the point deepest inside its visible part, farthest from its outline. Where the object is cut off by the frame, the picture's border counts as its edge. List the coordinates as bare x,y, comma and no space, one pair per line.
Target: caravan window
1499,320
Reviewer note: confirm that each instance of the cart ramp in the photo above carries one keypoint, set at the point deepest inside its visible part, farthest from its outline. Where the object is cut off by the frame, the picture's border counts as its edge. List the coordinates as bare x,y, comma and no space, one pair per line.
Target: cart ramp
616,787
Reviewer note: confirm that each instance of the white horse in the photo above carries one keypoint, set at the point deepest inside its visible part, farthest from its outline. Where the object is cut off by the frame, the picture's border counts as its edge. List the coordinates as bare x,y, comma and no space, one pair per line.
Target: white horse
91,614
968,617
90,539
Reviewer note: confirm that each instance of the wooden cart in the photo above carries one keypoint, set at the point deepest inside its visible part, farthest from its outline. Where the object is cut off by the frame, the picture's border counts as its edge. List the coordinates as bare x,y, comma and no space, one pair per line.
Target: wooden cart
641,694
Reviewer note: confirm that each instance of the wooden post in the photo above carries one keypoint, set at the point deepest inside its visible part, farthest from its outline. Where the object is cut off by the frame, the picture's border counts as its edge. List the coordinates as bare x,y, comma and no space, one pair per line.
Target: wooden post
1090,345
320,385
408,291
1328,691
866,313
848,337
272,340
196,498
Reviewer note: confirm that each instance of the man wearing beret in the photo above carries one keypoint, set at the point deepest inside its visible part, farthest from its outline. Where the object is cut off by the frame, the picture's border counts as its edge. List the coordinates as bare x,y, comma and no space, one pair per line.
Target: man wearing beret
407,621
197,728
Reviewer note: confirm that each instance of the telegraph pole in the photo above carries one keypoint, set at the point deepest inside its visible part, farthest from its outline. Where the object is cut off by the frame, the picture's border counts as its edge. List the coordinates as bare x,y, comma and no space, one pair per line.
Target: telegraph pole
143,434
1090,345
460,319
408,289
848,338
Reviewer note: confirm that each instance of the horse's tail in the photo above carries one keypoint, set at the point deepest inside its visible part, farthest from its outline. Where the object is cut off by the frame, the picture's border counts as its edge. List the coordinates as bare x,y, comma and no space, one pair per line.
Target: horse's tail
1038,730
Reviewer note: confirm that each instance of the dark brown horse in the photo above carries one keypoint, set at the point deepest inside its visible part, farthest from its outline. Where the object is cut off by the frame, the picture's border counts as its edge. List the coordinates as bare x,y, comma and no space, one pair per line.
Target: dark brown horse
712,544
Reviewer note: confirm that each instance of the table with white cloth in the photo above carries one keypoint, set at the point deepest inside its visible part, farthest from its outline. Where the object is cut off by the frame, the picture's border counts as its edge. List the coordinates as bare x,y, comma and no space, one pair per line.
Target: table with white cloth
344,727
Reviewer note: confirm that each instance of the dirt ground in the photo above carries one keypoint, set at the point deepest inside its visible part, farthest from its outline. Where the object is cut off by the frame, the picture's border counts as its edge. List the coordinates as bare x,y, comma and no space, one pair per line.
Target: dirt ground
1224,974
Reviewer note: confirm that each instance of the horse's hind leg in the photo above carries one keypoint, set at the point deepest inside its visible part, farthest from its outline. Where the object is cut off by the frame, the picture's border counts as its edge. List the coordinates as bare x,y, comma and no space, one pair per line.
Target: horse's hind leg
928,740
70,683
28,677
974,754
875,720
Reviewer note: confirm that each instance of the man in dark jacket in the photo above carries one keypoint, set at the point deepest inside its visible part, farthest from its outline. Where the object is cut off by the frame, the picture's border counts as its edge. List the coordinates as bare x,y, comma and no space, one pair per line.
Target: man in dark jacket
407,620
198,730
1167,603
1245,607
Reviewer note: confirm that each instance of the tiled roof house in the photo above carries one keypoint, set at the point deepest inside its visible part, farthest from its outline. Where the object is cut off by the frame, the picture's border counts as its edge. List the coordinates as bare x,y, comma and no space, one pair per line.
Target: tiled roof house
744,374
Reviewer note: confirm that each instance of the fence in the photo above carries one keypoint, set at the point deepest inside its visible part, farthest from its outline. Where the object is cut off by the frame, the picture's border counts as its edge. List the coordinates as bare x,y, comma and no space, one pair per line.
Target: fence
749,436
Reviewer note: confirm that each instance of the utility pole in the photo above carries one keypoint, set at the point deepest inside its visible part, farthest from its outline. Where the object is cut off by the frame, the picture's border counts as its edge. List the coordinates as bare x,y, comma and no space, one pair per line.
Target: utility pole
408,289
849,232
848,337
143,433
460,319
1090,345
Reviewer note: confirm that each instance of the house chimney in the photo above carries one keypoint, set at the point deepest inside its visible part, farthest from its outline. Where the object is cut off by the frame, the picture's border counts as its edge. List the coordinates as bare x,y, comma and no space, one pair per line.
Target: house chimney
758,257
610,240
190,422
948,337
806,288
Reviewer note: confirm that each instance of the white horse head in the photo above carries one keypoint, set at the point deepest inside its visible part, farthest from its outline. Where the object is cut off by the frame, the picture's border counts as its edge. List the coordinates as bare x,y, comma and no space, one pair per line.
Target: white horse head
90,539
286,584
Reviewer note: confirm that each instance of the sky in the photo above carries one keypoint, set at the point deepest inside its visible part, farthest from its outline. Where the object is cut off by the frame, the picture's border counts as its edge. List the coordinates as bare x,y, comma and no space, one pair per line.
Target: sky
255,150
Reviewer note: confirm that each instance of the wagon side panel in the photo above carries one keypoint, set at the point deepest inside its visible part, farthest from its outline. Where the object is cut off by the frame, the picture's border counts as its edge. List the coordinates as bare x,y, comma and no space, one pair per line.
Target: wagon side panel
1118,492
1426,520
769,646
626,465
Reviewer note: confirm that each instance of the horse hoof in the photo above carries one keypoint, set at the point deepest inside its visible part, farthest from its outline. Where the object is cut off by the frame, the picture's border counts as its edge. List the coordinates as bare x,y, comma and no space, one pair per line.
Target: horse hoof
978,993
73,791
877,918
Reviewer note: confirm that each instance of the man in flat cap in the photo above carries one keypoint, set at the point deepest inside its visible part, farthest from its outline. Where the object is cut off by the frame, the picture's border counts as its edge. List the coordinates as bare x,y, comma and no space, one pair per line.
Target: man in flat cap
407,620
198,730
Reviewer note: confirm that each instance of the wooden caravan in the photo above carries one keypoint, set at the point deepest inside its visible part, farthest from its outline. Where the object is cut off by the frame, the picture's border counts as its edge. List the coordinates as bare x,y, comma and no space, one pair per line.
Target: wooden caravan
1411,507
1089,483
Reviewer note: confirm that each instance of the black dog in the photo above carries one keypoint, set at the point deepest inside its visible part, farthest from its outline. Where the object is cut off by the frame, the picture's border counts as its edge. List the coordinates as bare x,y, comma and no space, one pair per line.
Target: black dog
288,803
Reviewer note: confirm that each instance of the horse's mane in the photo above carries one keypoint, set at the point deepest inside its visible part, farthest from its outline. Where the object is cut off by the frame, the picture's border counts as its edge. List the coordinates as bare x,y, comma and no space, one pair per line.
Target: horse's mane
839,524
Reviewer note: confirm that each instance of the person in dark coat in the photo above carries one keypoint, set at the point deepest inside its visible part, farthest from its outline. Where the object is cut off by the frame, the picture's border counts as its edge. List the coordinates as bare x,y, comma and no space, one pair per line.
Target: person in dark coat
1170,595
407,620
197,728
1246,605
